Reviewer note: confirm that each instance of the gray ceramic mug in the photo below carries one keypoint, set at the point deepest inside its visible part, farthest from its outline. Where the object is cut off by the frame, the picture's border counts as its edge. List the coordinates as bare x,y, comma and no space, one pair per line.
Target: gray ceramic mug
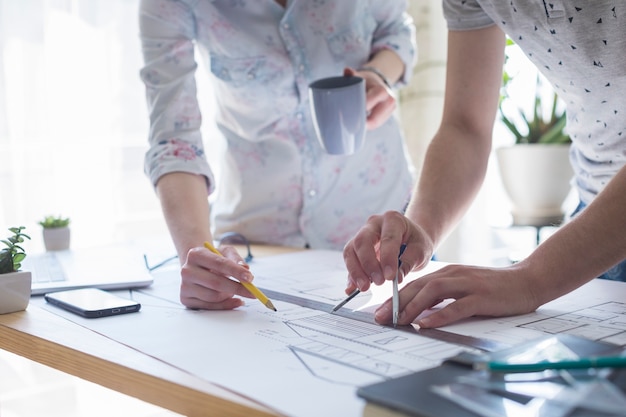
339,113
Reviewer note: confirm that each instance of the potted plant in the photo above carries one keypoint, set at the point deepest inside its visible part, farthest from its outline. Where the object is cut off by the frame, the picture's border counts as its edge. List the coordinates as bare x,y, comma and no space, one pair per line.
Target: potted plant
56,232
535,170
14,284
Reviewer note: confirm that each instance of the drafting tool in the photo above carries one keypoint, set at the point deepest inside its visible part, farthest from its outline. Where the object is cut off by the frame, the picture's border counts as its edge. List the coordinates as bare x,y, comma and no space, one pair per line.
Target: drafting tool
395,298
583,363
395,301
248,285
486,345
365,317
350,297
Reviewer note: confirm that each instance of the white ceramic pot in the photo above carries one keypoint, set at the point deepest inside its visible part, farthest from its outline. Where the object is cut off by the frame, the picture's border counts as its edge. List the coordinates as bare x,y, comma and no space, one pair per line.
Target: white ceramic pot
537,179
56,238
14,291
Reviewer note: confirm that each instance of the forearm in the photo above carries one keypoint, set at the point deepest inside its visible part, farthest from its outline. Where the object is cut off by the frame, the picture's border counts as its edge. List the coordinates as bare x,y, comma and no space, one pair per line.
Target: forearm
185,206
582,249
449,181
388,63
458,155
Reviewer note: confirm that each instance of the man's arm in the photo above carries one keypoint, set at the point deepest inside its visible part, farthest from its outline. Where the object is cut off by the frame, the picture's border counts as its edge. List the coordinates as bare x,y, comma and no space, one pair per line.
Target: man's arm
578,252
456,161
457,157
584,248
454,166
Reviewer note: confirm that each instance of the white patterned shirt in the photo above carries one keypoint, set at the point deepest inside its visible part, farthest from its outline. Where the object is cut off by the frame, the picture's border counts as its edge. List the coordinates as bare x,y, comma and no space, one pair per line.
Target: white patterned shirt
276,184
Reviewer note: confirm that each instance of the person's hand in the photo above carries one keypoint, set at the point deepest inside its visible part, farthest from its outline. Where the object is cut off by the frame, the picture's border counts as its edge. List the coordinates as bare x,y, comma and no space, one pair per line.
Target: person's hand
380,100
471,290
371,256
205,279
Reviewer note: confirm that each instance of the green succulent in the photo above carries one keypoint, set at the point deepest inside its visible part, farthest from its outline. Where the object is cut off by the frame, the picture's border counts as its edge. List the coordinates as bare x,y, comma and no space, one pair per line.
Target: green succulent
13,254
50,222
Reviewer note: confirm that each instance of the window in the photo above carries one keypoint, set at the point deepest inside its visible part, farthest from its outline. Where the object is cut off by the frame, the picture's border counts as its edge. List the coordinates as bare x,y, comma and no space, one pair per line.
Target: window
73,120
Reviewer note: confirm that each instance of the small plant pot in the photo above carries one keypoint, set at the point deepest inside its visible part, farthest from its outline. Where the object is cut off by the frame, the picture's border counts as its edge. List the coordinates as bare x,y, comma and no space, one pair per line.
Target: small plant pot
56,238
14,291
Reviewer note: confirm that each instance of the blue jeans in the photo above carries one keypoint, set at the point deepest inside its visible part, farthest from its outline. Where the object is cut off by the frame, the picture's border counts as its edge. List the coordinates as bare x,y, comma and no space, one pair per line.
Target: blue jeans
616,273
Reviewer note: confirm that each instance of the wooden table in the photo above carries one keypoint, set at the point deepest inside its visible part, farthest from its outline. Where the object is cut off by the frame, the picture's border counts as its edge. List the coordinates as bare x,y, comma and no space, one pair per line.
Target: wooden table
51,340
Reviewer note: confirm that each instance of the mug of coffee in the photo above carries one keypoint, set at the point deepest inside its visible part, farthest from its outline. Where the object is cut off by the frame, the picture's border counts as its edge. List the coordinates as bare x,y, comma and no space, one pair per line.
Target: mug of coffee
339,113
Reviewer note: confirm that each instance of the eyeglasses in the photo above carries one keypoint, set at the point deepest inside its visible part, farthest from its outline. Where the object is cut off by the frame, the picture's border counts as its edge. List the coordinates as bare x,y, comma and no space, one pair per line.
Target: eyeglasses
230,238
151,268
234,238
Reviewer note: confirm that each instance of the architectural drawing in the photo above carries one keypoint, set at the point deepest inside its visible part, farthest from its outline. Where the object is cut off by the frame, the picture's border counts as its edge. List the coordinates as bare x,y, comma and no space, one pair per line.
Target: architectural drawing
280,358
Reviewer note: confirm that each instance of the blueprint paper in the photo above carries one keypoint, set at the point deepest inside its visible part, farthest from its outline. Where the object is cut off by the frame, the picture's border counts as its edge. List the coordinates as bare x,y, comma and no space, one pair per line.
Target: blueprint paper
298,361
305,362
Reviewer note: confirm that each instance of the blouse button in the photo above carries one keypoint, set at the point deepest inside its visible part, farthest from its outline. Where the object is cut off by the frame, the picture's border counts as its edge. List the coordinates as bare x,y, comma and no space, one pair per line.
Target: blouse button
312,193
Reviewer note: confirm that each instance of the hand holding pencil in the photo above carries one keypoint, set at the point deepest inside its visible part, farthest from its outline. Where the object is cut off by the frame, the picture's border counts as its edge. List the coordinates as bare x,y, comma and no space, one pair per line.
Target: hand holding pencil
248,285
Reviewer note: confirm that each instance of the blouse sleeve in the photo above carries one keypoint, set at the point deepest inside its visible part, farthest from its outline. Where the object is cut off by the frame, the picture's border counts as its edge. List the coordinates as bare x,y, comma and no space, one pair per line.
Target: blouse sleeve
395,31
167,31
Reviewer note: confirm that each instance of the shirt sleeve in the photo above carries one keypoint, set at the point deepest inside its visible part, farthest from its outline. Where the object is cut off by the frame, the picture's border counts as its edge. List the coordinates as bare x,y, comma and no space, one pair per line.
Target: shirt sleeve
167,30
395,31
465,15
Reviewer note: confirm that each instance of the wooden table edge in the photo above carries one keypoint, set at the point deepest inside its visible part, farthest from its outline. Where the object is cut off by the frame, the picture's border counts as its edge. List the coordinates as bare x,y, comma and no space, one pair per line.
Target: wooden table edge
53,341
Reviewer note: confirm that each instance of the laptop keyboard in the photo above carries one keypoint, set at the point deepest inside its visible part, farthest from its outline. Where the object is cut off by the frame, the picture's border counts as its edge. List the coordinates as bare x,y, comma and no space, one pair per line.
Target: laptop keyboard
45,268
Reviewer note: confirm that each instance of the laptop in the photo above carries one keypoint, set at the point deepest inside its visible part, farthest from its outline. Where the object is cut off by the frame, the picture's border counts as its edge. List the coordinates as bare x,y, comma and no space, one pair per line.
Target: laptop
107,268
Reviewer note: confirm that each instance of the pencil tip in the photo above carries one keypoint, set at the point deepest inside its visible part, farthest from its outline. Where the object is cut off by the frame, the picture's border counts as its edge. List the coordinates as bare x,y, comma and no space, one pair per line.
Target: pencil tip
270,305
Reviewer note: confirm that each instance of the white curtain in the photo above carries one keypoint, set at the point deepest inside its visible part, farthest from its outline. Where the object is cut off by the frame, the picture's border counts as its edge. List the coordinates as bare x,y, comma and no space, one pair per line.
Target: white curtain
73,120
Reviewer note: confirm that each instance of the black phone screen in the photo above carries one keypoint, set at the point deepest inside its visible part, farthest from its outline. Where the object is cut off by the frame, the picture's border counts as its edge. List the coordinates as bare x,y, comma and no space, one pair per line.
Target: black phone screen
92,302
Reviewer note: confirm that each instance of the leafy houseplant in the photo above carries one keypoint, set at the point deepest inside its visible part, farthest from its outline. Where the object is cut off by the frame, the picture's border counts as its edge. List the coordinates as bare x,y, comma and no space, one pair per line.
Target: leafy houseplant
535,171
541,126
56,232
14,283
13,254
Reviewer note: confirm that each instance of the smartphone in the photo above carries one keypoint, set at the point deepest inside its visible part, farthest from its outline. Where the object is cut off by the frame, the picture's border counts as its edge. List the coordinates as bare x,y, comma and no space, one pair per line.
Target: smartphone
92,302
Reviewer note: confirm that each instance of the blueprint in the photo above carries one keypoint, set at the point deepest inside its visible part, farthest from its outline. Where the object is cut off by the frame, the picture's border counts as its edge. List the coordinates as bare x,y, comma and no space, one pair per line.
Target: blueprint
596,311
286,359
303,361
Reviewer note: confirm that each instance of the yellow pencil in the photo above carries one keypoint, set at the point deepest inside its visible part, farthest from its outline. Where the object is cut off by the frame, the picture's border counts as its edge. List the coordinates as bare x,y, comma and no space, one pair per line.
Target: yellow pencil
248,285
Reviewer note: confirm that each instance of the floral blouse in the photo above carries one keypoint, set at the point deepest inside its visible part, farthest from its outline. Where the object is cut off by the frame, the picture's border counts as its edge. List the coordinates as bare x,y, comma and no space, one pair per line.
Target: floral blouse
276,185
